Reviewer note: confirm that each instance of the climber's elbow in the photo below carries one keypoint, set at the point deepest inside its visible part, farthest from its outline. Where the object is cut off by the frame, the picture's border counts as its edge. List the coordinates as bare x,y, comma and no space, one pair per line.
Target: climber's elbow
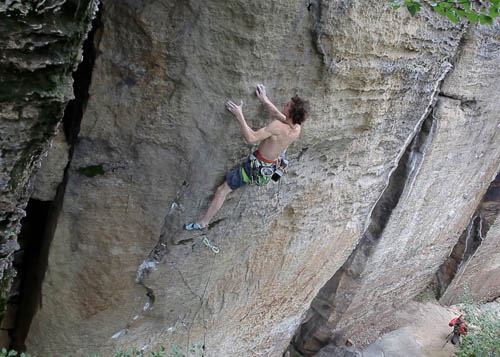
251,139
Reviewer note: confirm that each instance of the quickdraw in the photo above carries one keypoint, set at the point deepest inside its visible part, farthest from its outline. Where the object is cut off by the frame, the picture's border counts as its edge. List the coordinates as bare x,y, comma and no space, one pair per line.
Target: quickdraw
214,248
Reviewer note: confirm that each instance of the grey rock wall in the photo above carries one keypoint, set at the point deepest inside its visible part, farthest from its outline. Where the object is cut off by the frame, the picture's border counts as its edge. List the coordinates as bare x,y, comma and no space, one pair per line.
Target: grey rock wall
51,172
157,139
477,275
452,175
40,46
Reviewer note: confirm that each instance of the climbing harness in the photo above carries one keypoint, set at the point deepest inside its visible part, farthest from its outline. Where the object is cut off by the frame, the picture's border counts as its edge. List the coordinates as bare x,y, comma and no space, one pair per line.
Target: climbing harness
262,170
214,248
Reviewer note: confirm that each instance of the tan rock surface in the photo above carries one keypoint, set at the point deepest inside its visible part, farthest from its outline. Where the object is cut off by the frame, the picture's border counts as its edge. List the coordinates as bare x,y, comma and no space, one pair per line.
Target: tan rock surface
429,322
419,329
155,124
481,273
434,208
416,239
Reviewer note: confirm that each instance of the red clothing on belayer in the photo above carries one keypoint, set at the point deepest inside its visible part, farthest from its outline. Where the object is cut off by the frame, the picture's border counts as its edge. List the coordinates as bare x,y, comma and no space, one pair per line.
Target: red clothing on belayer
459,326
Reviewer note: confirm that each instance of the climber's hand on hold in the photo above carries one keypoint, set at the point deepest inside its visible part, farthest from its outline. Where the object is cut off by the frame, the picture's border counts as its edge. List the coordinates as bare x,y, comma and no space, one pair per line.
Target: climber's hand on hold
247,132
262,95
235,109
261,92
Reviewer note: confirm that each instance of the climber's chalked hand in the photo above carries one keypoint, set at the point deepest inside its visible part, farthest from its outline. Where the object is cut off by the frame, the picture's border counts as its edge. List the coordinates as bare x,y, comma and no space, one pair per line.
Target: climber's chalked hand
233,108
261,92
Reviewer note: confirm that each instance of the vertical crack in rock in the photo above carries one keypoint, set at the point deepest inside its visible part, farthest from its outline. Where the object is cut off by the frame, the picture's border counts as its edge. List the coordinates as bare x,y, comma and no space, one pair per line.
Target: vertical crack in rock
335,297
25,258
315,7
154,257
419,147
41,221
38,227
160,250
157,255
82,77
471,238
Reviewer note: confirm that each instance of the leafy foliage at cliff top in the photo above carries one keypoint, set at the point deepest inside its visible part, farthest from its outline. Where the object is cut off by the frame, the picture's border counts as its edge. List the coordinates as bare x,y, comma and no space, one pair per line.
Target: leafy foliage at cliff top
472,10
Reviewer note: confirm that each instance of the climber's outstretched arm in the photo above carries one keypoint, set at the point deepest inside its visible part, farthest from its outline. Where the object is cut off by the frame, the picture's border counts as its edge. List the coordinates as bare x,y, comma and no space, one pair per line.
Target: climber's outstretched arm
251,136
262,95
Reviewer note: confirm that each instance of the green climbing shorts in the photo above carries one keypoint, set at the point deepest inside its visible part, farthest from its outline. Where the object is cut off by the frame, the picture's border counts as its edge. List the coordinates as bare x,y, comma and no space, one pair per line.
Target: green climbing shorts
242,175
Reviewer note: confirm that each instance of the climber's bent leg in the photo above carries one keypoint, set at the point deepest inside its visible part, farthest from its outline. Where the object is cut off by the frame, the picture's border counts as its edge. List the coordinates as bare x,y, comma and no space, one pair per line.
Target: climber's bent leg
219,198
234,179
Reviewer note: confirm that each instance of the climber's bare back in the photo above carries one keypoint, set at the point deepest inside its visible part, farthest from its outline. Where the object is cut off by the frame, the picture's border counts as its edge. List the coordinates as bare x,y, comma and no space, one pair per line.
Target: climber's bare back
283,135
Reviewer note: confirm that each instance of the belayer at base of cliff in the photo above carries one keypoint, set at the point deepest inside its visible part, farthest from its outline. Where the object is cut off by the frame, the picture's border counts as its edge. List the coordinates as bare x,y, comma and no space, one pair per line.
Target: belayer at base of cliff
459,328
268,161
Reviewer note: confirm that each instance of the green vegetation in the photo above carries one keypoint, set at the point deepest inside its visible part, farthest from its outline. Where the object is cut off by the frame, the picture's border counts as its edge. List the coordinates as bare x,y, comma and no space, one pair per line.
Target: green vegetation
91,171
134,352
483,339
472,10
5,353
178,350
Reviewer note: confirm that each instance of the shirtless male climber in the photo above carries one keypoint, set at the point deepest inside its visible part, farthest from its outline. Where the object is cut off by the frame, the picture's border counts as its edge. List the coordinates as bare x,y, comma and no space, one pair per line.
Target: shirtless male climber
274,140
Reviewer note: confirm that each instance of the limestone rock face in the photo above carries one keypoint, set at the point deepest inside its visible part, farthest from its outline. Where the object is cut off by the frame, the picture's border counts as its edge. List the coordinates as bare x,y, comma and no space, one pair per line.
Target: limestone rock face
419,329
397,343
51,172
447,177
40,46
156,140
480,273
475,274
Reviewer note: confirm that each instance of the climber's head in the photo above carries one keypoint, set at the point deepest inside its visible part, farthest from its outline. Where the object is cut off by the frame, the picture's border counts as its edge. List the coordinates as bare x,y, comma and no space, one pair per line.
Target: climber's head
296,109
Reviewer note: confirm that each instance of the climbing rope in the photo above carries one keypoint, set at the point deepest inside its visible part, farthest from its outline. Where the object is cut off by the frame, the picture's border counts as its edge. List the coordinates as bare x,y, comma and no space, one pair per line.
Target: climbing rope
216,250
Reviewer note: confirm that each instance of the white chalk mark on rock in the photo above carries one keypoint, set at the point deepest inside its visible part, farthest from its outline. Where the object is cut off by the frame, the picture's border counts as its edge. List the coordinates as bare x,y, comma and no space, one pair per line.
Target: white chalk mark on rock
119,333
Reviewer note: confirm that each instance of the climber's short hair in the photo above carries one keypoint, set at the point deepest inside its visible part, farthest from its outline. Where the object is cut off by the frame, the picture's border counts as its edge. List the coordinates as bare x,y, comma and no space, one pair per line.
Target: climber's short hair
299,109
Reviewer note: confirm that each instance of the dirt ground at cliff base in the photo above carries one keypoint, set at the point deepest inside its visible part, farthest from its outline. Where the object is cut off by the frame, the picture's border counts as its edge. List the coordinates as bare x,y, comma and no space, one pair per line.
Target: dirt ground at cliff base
429,327
428,330
417,329
429,322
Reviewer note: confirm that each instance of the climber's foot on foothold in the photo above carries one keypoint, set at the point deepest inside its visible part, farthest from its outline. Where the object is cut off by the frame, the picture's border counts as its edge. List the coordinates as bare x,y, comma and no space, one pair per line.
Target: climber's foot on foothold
193,227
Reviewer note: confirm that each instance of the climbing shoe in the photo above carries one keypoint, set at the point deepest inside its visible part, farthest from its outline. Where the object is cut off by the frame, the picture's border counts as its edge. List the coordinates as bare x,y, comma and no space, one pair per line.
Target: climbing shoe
193,227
